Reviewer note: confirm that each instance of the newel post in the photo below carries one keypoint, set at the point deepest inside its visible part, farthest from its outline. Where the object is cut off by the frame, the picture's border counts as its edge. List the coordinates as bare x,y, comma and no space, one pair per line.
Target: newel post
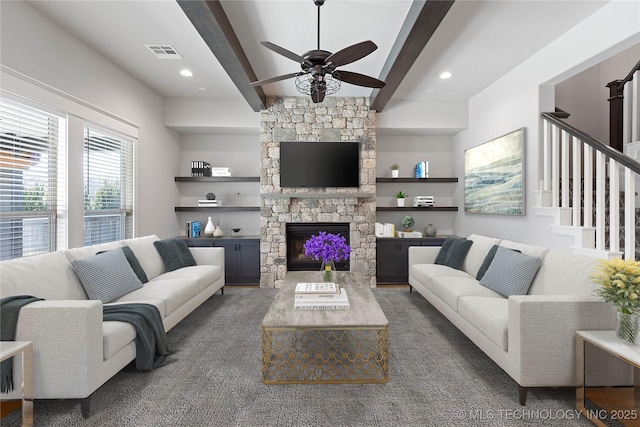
616,97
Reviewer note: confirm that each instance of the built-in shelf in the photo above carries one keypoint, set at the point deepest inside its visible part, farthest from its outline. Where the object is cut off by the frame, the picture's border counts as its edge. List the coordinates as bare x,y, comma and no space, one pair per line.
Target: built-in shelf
420,180
217,179
417,208
217,209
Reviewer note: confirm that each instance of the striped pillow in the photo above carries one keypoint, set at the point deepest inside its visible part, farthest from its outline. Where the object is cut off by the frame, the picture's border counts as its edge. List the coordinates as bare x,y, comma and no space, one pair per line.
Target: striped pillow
510,272
106,276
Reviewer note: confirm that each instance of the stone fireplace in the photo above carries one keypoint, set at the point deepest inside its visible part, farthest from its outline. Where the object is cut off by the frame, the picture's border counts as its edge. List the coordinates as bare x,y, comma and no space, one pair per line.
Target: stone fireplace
299,119
298,233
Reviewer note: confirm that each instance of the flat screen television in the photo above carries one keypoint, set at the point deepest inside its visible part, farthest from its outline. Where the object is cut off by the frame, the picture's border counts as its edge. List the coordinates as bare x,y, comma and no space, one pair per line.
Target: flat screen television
319,164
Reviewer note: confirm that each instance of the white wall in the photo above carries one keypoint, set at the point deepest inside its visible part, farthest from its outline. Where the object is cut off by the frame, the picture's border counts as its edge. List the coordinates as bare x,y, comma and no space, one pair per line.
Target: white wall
36,47
496,111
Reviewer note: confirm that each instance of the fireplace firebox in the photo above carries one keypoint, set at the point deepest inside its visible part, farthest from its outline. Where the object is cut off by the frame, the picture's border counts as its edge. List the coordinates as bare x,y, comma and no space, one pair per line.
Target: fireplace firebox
298,233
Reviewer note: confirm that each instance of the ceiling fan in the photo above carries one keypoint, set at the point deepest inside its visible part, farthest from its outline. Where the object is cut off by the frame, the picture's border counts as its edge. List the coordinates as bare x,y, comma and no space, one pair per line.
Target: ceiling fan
319,76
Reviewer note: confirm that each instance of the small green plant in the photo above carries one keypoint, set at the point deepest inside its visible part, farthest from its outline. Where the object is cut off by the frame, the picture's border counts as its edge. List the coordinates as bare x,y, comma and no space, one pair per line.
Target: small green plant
395,167
400,195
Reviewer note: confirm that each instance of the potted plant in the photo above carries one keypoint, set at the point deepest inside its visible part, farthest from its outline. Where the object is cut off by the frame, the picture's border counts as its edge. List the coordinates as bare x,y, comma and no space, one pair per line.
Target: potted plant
400,196
395,168
619,282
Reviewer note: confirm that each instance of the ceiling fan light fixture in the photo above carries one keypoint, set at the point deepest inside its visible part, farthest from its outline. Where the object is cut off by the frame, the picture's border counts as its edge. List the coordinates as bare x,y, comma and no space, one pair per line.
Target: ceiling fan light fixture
307,84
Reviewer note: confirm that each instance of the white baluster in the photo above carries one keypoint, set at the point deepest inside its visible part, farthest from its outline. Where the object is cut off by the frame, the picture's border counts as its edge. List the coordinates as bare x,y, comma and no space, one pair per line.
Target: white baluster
564,146
555,167
629,214
614,206
588,186
546,150
577,191
600,200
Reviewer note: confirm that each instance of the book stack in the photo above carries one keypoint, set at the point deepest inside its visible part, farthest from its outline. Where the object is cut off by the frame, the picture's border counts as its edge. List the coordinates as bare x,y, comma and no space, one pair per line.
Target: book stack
422,170
200,168
320,296
217,171
209,203
385,230
194,229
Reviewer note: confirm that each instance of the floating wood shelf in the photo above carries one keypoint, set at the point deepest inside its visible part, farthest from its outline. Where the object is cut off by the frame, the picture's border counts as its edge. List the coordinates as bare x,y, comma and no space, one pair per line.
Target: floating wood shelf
420,180
417,208
217,209
217,179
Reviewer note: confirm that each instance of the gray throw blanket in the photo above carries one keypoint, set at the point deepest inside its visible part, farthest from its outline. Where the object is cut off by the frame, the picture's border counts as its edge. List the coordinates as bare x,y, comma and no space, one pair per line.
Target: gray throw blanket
9,311
151,339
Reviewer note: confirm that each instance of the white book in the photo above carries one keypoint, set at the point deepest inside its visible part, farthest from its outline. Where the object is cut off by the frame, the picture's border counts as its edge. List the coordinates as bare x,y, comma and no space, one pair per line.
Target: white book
322,307
317,288
322,302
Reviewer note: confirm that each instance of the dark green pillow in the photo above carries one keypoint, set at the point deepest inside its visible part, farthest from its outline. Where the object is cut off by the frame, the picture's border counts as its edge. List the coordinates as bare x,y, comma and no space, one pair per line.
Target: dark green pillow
175,253
441,258
458,253
135,264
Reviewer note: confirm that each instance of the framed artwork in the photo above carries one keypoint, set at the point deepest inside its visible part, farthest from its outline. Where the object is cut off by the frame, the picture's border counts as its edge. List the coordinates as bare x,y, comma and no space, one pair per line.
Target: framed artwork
494,176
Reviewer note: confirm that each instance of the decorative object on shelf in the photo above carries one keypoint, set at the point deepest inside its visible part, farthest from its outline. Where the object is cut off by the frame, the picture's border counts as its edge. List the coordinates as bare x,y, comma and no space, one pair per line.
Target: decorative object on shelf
236,231
430,230
220,171
494,176
422,170
330,248
407,223
395,169
211,196
620,285
218,232
209,228
400,196
194,229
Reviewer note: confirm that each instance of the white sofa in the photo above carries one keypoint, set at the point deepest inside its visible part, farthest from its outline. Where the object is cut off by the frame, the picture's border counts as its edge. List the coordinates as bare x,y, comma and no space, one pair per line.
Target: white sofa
75,352
531,337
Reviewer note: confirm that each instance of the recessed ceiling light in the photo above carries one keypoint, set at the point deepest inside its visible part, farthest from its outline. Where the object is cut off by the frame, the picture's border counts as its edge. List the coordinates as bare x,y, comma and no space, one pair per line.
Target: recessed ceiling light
202,88
186,73
446,75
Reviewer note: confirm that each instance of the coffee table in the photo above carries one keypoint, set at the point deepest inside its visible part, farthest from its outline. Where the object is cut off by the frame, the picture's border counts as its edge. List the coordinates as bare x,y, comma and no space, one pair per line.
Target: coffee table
325,346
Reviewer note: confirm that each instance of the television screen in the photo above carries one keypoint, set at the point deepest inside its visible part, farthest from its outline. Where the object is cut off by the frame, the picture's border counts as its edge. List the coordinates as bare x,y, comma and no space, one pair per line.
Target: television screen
319,164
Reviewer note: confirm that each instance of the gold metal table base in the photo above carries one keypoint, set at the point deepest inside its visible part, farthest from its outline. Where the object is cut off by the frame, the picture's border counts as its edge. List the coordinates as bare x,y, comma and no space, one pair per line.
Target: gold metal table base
325,355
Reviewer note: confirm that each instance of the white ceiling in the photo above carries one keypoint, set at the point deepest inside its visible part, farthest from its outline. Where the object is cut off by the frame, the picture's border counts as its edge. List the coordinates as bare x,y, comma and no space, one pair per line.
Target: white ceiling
478,41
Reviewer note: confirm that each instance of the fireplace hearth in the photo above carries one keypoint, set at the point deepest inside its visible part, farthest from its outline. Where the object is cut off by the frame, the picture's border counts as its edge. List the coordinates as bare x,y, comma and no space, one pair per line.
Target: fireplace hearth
298,233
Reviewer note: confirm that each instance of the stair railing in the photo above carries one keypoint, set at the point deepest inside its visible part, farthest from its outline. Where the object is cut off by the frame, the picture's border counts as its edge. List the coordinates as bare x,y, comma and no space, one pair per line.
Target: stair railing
570,155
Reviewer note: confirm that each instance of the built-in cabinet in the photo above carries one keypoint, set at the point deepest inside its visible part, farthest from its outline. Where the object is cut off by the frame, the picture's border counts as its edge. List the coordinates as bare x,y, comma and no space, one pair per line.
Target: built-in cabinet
241,257
392,257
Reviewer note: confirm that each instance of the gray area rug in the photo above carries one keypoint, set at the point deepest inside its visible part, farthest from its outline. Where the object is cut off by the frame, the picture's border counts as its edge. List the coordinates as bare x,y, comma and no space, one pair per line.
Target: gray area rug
437,378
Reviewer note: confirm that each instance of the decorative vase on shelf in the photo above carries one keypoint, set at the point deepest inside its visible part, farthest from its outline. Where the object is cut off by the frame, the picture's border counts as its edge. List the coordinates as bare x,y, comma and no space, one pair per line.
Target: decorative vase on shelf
430,230
400,202
217,232
209,228
394,173
627,327
328,271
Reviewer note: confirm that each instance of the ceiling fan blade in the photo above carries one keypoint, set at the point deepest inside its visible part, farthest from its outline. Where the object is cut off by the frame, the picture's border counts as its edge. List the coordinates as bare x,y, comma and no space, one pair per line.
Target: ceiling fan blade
352,53
284,52
358,79
274,79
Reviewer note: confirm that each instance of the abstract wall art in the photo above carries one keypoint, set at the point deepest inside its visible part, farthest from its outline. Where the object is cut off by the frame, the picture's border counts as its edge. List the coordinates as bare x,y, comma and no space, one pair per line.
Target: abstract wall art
494,176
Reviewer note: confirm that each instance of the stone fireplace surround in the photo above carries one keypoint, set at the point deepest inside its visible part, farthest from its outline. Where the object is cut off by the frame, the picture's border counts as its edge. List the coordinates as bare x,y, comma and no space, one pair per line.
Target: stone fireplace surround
298,119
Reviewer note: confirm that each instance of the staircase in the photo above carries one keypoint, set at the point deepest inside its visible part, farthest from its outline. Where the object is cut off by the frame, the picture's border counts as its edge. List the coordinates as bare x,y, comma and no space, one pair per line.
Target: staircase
579,175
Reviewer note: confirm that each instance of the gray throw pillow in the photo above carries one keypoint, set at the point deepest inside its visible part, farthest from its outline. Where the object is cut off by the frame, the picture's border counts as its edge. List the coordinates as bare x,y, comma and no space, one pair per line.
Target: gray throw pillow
453,252
106,276
133,262
487,261
175,253
510,272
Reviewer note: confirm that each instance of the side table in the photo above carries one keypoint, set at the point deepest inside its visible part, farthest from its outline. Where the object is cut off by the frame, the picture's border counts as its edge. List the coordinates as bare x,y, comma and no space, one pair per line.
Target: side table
607,341
9,349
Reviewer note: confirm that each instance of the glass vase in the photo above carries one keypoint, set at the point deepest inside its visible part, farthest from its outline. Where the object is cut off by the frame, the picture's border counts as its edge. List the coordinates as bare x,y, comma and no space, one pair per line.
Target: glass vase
328,271
627,327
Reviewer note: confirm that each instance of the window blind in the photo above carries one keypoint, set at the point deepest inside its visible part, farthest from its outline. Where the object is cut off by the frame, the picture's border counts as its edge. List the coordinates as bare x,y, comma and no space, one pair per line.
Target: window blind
108,187
31,143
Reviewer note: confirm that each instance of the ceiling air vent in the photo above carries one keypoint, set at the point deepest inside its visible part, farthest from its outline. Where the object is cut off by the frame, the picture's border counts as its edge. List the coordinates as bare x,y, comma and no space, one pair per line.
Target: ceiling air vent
164,51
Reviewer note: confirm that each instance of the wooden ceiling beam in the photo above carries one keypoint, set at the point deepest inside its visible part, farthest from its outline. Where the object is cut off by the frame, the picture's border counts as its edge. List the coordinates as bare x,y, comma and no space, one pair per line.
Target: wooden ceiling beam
210,20
421,23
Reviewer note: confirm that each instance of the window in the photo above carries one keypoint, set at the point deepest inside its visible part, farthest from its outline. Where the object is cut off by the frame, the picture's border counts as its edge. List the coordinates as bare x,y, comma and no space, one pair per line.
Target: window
31,154
108,187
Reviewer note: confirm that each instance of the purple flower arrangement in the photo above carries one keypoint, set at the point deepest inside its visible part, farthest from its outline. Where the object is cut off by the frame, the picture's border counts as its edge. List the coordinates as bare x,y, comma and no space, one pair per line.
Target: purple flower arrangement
328,247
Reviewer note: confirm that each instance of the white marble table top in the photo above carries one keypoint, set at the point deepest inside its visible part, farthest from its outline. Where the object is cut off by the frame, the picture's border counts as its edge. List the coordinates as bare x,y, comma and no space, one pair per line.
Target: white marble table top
608,341
364,310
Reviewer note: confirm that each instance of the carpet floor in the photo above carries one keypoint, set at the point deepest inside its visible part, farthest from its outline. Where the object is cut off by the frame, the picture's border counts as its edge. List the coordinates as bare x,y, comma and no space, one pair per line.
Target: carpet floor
437,378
